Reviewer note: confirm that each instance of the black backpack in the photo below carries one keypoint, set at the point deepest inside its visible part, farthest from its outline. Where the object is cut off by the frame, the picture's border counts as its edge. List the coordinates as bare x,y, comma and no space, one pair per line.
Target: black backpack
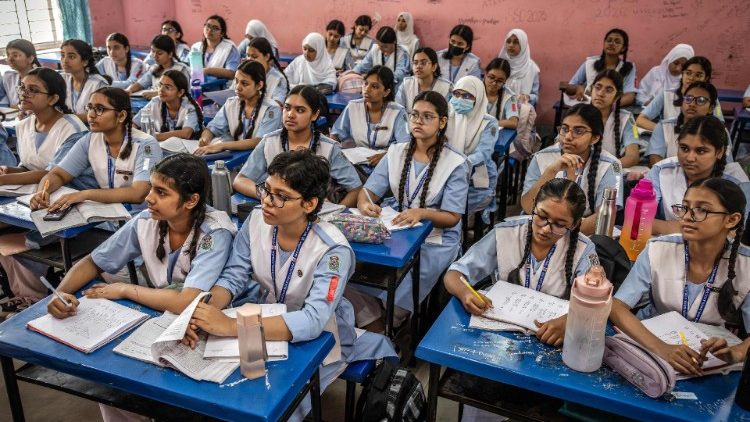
391,394
613,258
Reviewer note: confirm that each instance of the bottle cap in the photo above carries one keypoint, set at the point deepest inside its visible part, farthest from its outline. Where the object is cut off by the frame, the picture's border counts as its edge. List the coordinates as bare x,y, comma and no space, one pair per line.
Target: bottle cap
643,191
610,193
219,164
594,283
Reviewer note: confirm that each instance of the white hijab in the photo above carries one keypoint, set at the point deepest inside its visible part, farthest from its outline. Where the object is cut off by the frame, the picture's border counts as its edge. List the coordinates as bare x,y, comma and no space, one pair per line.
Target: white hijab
256,28
406,37
463,128
669,81
320,69
523,69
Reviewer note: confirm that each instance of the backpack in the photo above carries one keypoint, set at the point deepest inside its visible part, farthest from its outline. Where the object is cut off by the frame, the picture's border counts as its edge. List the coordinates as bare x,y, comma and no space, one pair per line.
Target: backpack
391,394
527,142
613,258
351,83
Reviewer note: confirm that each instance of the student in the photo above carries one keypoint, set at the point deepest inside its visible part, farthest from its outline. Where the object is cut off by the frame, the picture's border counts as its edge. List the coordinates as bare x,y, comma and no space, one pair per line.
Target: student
473,132
501,100
287,234
701,153
7,158
119,63
21,57
301,108
615,44
314,66
120,157
173,112
374,121
245,118
260,50
405,33
699,99
386,53
358,42
429,181
666,76
524,75
339,55
257,29
457,59
51,129
172,29
746,98
577,155
667,105
620,136
220,55
81,75
162,49
680,272
424,65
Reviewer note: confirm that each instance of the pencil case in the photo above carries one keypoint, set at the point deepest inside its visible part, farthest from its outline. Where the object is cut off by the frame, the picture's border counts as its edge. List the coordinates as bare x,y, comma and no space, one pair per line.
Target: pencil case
360,228
647,371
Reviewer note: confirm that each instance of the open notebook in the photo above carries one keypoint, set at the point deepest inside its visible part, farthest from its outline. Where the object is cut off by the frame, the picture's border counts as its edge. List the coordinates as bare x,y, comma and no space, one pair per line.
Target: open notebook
387,214
17,190
96,323
228,348
515,308
176,145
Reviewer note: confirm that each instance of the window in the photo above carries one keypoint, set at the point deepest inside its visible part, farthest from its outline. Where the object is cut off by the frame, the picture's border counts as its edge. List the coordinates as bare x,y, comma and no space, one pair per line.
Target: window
35,20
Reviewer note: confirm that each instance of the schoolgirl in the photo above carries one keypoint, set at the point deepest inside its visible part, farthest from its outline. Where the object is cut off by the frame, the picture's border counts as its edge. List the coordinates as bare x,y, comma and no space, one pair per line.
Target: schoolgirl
387,52
314,66
119,63
620,135
339,55
458,60
162,49
173,112
21,57
502,103
220,55
277,85
665,76
257,29
426,70
405,33
81,75
524,75
358,42
173,30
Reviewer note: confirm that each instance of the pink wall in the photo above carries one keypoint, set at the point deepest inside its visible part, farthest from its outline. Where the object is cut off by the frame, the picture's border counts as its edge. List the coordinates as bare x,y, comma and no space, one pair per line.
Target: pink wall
561,34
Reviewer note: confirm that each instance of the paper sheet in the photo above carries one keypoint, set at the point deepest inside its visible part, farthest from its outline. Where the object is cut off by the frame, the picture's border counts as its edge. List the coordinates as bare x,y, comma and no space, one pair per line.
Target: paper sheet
387,214
358,155
518,305
229,347
220,97
63,190
138,344
177,145
17,190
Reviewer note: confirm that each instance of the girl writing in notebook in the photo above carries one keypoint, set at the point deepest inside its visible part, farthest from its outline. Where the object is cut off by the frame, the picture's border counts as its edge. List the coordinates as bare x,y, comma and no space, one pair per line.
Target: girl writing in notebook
259,50
620,138
424,65
429,181
501,101
220,55
301,109
82,77
700,272
162,49
173,112
245,118
577,156
21,57
297,260
119,63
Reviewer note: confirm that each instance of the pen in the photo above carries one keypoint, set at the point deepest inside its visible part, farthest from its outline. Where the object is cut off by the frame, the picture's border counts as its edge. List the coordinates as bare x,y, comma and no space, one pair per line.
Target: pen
369,198
54,290
46,186
685,342
471,289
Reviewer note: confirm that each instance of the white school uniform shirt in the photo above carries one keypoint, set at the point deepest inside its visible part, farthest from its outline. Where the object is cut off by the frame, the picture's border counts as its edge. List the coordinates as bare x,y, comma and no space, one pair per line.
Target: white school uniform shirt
107,66
148,80
92,83
662,107
357,53
664,143
398,62
409,89
627,135
220,55
670,184
187,116
353,124
228,119
659,274
276,85
67,128
524,74
139,237
470,65
10,82
500,251
508,106
340,58
586,74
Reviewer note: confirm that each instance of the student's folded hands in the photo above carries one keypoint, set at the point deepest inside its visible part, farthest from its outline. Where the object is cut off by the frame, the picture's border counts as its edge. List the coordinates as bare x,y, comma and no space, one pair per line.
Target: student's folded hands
211,320
552,332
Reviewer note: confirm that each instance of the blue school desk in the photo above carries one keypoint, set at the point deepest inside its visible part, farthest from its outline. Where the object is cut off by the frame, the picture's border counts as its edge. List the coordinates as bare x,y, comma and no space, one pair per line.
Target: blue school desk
730,95
741,123
339,100
271,398
286,58
522,361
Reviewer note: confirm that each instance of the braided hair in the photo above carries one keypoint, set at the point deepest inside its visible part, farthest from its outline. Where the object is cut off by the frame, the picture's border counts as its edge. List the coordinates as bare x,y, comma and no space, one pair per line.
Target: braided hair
710,130
387,35
314,100
557,189
187,175
599,65
441,107
733,199
704,63
306,173
362,20
86,53
432,55
504,66
257,73
55,84
465,32
120,101
181,83
224,36
123,41
617,81
164,43
593,118
264,47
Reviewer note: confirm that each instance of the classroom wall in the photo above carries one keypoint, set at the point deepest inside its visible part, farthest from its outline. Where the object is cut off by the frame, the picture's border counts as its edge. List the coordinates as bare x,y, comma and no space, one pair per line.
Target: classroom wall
561,33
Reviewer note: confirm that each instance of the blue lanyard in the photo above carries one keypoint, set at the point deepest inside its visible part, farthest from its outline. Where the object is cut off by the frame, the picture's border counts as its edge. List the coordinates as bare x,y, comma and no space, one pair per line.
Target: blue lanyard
110,168
544,268
292,263
706,289
410,197
372,140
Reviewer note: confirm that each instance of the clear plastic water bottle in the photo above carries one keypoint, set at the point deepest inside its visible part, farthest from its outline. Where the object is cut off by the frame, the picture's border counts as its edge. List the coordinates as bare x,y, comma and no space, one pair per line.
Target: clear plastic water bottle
146,124
196,75
221,188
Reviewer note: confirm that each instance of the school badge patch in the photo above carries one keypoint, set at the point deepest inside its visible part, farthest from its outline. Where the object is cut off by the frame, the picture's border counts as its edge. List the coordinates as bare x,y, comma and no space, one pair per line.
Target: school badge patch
616,167
147,150
270,114
207,242
494,131
333,263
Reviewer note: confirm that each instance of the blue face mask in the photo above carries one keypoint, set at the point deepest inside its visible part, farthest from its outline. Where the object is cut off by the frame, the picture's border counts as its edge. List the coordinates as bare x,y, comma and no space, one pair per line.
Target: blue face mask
461,105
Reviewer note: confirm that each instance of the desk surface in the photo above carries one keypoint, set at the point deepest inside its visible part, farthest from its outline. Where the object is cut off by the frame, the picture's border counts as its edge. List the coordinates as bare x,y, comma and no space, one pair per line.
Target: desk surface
504,138
339,100
524,362
263,399
730,95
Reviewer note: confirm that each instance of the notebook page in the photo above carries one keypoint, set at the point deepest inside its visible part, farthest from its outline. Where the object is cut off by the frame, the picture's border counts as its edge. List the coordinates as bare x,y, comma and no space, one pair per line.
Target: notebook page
518,305
358,155
54,196
138,344
93,211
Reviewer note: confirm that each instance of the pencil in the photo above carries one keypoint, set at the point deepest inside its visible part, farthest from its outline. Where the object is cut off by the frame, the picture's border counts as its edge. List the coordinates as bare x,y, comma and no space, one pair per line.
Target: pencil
46,186
369,198
685,342
471,289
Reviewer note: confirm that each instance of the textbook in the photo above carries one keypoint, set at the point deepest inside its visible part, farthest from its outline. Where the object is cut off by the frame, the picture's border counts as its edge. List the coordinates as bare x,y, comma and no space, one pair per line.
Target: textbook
159,341
228,348
516,305
80,214
17,190
96,323
358,155
177,145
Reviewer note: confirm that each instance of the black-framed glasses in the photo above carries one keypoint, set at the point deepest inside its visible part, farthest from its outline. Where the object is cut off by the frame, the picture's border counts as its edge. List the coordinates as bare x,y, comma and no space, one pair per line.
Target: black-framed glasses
97,109
277,200
493,80
697,214
541,222
415,116
699,99
577,131
22,91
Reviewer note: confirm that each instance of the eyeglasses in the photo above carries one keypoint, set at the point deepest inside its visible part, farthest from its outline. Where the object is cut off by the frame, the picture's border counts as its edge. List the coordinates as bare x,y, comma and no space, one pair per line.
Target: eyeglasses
97,109
541,222
415,116
577,131
22,91
277,200
424,62
609,90
463,94
699,100
168,30
212,28
697,214
696,75
165,87
493,80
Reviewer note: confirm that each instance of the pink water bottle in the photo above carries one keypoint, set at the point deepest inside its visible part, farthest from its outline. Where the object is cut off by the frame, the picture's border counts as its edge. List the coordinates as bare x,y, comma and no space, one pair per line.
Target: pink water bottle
640,210
590,303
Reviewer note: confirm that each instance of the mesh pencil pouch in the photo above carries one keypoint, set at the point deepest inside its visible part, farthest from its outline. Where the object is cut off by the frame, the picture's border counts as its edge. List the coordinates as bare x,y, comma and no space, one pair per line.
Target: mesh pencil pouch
360,228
